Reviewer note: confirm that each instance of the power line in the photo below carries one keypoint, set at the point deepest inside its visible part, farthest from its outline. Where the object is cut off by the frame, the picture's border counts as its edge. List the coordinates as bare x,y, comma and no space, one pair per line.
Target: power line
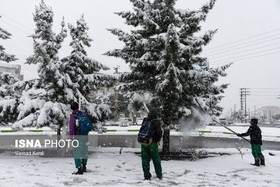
233,60
265,92
264,95
240,52
228,55
245,45
266,88
241,40
15,27
19,29
233,52
259,93
246,55
28,28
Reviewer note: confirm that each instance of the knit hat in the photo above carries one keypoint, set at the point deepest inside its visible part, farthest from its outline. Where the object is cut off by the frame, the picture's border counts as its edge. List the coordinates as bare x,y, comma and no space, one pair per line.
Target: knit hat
254,121
153,113
74,106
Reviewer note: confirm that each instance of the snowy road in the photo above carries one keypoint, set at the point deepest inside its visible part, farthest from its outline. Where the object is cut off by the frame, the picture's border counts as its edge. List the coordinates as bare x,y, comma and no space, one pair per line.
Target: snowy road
109,168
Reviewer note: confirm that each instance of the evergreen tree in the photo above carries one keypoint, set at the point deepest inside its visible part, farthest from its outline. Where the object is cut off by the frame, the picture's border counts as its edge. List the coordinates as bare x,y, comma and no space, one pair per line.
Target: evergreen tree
3,55
82,72
9,95
7,80
164,55
46,47
43,101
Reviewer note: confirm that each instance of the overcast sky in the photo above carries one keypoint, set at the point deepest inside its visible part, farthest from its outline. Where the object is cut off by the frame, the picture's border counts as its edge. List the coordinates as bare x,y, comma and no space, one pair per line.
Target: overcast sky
248,35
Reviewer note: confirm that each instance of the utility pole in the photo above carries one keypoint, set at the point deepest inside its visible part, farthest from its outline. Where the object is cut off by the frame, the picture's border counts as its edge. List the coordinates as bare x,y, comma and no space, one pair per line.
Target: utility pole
117,69
243,102
116,93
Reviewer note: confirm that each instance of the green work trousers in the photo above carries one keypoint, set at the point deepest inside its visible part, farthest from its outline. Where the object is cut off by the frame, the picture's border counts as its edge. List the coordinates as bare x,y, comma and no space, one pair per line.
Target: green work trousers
80,153
256,150
148,153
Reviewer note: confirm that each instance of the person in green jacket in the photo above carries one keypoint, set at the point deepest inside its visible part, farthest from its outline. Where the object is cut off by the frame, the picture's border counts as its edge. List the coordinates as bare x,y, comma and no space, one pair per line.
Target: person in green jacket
150,152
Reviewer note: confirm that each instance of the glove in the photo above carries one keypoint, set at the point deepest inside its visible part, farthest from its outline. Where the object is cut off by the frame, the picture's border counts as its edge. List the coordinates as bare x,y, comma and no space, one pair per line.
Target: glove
239,135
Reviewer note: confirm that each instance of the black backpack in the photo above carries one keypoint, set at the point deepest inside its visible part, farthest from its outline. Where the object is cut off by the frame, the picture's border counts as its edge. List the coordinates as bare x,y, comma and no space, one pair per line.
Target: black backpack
146,132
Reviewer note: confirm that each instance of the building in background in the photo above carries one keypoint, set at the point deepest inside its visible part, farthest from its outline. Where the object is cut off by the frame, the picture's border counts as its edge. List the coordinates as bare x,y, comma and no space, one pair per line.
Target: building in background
14,69
268,114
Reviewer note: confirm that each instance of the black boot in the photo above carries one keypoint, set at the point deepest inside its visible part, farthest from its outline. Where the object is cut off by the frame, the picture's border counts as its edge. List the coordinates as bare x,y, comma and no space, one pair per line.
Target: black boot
79,172
262,160
257,161
159,177
84,168
148,177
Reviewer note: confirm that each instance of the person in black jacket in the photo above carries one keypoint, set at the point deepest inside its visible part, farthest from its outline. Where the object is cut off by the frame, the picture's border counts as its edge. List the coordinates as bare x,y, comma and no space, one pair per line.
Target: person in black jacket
150,152
255,134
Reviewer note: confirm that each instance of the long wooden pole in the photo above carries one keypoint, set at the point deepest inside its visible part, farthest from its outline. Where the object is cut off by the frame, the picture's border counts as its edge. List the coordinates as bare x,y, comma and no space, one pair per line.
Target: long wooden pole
220,123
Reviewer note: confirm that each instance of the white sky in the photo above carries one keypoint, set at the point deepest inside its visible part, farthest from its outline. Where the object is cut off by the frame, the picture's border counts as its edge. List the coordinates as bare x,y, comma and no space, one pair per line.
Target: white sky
235,20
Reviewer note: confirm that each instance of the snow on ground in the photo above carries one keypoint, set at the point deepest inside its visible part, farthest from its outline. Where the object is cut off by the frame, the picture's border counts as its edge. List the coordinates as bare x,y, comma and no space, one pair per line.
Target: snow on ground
109,168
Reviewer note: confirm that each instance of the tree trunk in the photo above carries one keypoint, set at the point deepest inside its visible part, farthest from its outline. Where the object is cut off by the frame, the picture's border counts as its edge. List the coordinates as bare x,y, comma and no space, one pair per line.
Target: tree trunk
58,131
166,144
134,117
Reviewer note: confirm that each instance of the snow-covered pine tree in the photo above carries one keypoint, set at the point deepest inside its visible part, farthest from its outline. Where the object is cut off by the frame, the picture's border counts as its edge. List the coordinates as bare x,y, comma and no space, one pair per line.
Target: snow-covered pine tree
9,95
163,51
7,80
82,72
3,55
43,103
8,99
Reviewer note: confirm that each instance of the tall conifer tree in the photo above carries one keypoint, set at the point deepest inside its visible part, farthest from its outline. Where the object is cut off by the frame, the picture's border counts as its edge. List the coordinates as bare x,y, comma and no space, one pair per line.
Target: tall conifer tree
82,72
43,101
163,51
